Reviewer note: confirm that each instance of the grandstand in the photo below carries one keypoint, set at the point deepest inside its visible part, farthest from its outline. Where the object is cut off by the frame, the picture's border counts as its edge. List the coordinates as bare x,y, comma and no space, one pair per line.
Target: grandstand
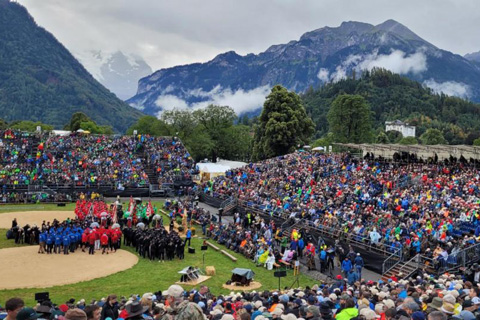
401,214
49,164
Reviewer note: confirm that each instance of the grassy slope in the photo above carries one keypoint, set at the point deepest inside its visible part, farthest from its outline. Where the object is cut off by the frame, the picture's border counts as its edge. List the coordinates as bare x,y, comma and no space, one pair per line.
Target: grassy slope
149,276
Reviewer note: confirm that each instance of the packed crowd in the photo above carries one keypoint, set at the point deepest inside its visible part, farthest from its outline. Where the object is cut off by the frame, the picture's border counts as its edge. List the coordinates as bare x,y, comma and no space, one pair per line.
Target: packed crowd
412,207
90,160
419,298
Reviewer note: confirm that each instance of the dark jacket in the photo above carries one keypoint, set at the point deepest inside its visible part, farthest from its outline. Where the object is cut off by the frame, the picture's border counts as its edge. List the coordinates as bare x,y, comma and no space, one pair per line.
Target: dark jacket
109,311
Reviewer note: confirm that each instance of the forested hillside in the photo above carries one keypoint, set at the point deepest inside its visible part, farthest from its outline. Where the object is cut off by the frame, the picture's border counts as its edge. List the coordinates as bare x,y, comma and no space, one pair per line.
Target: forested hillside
41,81
392,97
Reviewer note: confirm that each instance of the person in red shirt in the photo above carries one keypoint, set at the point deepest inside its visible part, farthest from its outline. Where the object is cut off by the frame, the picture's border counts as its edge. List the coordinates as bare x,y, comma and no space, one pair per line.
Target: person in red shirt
91,242
84,240
104,242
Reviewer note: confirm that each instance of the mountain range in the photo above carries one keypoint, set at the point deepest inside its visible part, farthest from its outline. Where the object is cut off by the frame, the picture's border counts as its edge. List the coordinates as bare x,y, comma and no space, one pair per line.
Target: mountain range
40,80
321,56
119,72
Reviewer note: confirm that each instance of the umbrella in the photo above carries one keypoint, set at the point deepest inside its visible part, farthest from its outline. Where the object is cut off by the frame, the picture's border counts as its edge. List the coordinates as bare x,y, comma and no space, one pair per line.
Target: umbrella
104,214
141,225
318,149
94,225
116,226
306,147
137,199
156,217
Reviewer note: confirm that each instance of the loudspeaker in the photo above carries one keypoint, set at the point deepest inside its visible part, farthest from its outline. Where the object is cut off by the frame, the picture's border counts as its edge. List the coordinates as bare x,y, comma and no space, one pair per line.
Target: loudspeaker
191,250
204,248
280,274
42,296
60,204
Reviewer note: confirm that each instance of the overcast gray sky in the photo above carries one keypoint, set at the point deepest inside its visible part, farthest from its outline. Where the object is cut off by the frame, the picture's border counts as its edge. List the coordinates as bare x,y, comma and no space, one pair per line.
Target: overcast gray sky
168,32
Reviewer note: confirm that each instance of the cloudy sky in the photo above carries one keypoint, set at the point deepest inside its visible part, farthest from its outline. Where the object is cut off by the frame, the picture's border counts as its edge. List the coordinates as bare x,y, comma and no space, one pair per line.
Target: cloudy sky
167,33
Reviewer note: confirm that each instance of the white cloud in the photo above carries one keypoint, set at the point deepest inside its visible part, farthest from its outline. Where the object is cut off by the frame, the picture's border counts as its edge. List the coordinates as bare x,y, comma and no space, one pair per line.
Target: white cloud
169,102
450,88
397,61
239,100
323,75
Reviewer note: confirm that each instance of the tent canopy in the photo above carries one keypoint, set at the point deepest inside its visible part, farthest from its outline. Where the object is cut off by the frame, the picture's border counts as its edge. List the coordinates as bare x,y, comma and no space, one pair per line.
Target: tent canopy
247,273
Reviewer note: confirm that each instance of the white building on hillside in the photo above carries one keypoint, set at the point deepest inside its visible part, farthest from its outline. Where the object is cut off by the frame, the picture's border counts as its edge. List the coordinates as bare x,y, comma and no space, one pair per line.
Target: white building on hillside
402,127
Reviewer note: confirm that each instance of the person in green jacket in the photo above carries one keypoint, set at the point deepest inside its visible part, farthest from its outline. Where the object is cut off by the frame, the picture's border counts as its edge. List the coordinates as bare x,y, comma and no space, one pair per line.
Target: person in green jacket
348,312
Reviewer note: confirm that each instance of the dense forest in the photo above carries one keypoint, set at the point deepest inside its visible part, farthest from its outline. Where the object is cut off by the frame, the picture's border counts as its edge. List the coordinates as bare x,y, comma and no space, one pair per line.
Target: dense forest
391,97
41,81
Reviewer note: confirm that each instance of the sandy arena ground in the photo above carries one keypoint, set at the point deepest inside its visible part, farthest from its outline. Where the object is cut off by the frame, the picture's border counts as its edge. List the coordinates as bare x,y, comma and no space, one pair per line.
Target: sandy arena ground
33,217
24,268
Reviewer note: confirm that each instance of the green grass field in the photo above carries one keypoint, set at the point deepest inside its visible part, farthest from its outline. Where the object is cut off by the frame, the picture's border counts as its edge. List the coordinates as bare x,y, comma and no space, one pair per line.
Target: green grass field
150,276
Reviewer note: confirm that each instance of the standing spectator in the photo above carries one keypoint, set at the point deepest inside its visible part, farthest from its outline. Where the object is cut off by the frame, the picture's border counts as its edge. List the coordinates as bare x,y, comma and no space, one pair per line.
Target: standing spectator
188,237
359,265
346,266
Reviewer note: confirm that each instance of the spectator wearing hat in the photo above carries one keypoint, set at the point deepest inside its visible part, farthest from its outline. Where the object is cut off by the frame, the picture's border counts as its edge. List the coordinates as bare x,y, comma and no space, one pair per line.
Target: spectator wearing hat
313,313
359,264
178,308
135,311
75,314
13,306
27,314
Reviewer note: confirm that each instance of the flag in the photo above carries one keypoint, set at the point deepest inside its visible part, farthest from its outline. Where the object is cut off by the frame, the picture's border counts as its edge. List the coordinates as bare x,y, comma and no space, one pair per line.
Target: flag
131,206
149,209
114,212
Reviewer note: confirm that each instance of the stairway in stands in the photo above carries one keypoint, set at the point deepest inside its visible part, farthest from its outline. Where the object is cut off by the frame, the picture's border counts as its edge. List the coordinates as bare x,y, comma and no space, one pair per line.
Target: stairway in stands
152,176
406,268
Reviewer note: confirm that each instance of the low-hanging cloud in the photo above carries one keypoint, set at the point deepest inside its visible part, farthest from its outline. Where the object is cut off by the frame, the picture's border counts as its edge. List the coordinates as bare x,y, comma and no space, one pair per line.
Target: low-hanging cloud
240,100
451,88
397,61
170,102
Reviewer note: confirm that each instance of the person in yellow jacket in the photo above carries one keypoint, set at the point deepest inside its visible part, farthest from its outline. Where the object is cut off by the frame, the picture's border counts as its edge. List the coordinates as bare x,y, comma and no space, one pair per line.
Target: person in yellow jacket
348,312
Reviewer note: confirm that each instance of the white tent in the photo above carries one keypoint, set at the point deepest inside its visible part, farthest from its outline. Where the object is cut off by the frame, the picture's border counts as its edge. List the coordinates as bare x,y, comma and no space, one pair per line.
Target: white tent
318,149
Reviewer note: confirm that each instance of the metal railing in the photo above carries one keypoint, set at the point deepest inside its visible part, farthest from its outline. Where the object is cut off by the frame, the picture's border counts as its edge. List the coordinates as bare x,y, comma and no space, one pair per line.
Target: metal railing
393,260
414,263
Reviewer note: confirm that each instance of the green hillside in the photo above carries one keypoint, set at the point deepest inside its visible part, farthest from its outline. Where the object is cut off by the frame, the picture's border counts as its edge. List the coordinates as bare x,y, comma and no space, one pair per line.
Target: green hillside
41,81
392,97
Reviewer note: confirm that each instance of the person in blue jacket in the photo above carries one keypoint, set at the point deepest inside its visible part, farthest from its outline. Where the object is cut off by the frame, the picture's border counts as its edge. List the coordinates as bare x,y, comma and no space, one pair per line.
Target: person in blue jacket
188,237
73,241
42,239
50,241
346,266
58,243
359,265
66,243
352,277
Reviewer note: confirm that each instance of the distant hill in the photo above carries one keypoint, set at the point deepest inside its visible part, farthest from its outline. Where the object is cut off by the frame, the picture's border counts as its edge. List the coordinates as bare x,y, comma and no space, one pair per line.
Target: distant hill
117,71
41,81
320,56
393,97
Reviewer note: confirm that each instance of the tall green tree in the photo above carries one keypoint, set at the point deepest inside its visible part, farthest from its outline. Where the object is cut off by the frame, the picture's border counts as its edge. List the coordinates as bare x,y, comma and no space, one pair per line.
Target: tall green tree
349,119
76,120
150,125
181,123
215,120
282,125
433,136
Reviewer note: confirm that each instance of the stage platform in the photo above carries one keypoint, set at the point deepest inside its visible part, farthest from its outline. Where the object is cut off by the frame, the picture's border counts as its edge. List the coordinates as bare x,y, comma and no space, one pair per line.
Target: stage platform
200,279
253,285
